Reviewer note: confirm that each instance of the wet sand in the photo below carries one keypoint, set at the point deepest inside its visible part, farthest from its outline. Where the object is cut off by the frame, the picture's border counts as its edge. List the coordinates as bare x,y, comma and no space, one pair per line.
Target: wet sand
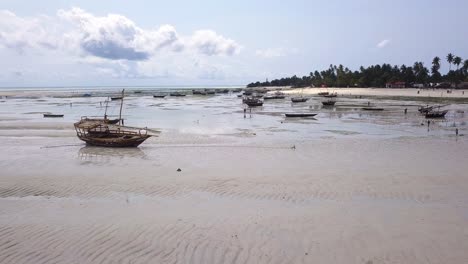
345,187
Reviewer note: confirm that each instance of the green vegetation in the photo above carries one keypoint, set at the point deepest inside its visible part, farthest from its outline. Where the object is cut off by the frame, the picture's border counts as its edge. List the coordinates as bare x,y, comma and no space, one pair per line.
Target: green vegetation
380,76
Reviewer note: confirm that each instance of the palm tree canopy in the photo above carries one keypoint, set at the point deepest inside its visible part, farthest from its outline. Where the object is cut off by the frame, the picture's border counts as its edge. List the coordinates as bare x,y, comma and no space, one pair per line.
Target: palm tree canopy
457,61
436,61
450,58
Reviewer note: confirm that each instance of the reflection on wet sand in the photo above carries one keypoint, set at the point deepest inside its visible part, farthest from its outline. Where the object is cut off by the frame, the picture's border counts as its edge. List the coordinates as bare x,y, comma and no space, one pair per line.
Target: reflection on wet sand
102,155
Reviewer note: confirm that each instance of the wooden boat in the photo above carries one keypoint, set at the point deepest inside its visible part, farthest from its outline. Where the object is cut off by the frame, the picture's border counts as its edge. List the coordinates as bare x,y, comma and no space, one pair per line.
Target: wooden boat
330,95
323,93
299,99
250,101
116,98
436,114
199,92
328,103
222,90
86,95
210,92
137,92
426,109
300,115
177,94
372,109
98,132
52,115
159,95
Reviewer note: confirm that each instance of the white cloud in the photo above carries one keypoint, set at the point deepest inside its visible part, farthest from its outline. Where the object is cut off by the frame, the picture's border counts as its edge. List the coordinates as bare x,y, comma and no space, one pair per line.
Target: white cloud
209,43
274,52
76,46
112,37
383,43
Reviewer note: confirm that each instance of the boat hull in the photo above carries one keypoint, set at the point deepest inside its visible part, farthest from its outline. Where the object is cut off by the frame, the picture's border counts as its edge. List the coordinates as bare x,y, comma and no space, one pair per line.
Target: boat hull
300,115
299,100
52,116
372,109
119,142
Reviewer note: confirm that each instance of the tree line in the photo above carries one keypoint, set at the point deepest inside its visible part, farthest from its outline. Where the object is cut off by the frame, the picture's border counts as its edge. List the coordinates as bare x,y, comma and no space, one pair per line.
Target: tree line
380,76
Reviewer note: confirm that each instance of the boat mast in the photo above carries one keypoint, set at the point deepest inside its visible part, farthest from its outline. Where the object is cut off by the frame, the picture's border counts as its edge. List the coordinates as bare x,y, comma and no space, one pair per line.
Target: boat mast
121,105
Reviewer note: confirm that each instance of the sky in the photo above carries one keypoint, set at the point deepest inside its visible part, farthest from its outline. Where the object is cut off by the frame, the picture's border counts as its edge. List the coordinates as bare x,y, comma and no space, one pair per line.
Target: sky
212,42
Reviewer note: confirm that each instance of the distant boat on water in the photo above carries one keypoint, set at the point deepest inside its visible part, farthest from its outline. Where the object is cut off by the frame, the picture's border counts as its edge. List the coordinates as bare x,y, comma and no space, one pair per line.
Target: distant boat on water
328,103
299,99
159,95
52,115
372,109
177,94
250,101
115,98
300,114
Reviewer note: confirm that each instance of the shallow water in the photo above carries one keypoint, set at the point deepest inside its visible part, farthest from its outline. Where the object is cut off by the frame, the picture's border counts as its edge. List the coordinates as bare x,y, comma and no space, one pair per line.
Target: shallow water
347,186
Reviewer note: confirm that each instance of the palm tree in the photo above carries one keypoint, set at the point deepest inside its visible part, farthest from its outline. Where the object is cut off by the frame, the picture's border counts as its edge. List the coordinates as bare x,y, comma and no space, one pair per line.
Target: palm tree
465,66
450,60
436,62
457,61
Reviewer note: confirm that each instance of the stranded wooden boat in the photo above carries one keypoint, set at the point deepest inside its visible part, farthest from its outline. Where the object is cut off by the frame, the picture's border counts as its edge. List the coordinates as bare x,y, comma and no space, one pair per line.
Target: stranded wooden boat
300,115
323,93
52,115
99,132
299,99
96,133
436,114
116,98
372,109
159,95
330,95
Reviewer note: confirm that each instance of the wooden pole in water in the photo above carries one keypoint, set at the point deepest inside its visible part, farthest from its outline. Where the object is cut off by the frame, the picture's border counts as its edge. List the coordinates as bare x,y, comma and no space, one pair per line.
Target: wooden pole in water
105,112
121,105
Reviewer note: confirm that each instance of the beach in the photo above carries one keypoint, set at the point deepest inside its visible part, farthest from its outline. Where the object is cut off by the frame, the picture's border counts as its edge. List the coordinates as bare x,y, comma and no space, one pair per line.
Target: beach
347,186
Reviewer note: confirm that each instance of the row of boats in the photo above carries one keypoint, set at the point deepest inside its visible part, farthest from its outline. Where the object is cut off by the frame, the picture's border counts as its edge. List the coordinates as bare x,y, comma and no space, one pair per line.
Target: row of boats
182,94
257,99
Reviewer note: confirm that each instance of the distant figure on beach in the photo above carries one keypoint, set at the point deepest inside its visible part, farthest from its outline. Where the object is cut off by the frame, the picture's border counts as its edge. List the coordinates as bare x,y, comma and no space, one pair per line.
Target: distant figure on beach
418,91
456,132
406,111
368,103
245,111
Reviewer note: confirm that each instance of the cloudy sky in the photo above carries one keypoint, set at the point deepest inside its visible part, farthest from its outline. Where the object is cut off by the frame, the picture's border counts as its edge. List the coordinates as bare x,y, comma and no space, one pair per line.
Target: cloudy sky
212,42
